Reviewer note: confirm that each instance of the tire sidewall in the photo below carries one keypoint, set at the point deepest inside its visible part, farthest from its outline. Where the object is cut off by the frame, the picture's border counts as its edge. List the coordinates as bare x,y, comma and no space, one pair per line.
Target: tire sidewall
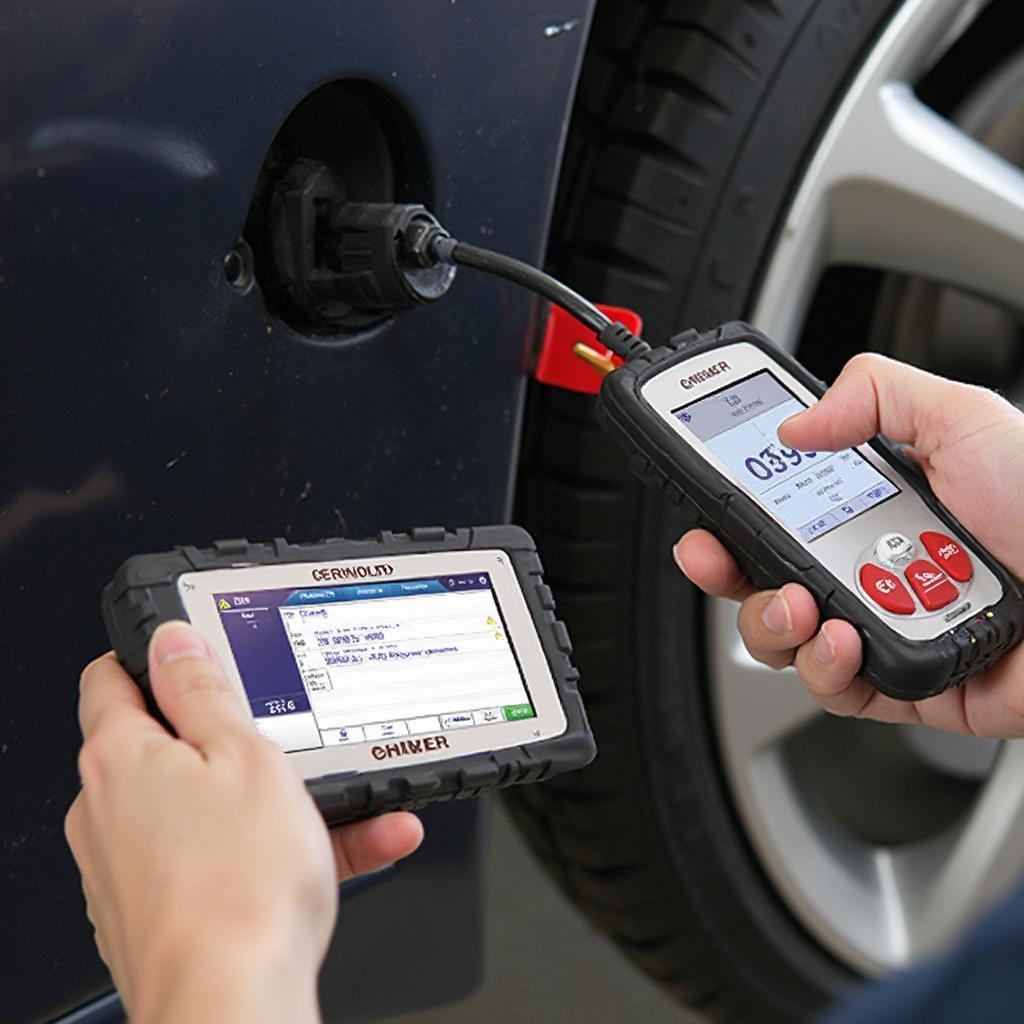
675,770
715,863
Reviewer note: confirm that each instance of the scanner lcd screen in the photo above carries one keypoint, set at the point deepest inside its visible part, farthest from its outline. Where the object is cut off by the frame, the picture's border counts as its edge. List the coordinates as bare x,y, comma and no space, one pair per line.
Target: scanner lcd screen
375,662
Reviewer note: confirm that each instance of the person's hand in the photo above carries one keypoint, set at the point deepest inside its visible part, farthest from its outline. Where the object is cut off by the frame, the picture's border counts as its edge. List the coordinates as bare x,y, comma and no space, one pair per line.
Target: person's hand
208,873
970,443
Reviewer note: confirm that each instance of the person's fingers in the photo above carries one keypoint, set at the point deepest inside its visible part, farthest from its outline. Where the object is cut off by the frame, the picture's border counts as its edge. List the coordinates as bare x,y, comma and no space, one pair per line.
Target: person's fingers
706,564
774,623
828,666
876,395
108,694
373,844
992,704
191,689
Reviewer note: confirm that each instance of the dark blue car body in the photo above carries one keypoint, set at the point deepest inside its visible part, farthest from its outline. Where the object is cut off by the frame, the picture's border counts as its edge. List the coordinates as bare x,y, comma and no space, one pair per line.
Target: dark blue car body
146,402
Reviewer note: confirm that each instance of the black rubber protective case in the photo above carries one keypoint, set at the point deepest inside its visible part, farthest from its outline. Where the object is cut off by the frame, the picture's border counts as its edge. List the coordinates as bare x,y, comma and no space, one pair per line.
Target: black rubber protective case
901,668
144,593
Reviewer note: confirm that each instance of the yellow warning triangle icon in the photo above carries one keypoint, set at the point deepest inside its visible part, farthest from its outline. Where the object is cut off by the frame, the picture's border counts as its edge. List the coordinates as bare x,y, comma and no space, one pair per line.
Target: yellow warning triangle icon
223,605
490,620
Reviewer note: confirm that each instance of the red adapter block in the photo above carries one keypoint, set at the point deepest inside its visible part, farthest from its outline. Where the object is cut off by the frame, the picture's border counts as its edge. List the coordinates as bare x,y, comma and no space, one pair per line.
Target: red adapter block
559,366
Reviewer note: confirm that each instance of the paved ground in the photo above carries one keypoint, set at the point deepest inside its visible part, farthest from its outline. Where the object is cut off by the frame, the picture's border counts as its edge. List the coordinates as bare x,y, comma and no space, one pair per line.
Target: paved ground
545,964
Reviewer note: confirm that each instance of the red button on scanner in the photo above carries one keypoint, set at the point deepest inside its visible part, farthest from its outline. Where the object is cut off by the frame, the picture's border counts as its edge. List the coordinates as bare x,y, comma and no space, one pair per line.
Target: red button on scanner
886,589
931,585
948,555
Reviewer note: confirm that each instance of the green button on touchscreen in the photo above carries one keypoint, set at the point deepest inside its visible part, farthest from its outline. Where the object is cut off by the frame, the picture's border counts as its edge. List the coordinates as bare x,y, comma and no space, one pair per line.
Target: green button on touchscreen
514,712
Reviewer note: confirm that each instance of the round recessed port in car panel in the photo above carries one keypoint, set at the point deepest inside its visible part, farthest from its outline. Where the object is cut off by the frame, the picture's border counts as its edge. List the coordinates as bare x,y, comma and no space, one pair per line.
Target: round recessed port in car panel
346,141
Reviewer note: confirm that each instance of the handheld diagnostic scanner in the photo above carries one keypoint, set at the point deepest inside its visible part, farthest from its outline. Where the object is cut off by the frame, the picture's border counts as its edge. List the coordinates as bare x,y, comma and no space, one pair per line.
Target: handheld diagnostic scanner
860,528
392,671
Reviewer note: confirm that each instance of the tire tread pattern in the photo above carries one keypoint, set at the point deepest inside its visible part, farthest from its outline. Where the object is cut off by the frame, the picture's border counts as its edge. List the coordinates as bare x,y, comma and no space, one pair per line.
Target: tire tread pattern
669,92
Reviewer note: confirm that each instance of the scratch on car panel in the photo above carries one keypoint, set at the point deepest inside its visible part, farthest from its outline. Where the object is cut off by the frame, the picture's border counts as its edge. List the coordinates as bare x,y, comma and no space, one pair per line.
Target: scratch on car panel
177,153
550,31
34,506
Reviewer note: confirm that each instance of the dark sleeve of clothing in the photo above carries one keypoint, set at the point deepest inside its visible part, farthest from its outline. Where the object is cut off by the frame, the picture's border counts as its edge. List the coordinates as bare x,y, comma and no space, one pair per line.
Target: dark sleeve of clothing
980,980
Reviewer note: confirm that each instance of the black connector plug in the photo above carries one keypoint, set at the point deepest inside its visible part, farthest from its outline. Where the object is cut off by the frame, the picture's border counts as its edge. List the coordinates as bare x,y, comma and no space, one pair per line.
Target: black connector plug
375,253
328,265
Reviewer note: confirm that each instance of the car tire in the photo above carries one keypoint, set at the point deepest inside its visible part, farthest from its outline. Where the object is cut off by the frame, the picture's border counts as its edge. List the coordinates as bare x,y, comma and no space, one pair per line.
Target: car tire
694,125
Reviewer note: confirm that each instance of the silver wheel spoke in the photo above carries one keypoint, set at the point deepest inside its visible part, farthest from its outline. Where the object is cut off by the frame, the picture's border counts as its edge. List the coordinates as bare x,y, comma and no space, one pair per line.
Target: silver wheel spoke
908,191
942,883
896,186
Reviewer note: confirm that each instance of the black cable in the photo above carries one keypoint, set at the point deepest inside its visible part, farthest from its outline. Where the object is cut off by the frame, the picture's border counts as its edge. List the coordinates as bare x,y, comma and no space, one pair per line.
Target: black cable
533,279
613,335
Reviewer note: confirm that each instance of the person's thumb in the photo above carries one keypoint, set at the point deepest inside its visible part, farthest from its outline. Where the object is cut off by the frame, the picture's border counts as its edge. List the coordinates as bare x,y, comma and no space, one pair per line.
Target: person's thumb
191,689
876,395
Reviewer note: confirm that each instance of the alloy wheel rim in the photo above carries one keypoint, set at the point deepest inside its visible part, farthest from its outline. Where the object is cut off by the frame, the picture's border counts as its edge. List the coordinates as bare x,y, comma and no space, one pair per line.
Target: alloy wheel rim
892,185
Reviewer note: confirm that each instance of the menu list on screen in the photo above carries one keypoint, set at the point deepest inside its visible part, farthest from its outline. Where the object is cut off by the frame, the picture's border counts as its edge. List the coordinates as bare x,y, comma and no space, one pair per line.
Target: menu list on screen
375,661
